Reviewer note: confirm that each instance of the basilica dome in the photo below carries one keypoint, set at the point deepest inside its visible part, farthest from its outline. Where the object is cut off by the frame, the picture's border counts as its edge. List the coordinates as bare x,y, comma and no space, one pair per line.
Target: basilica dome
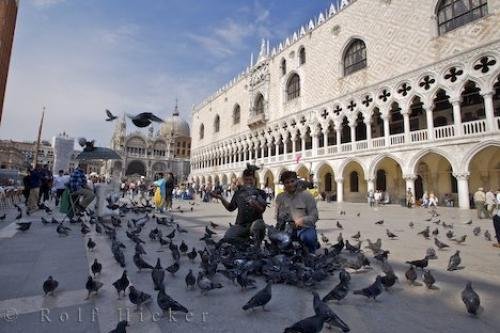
175,126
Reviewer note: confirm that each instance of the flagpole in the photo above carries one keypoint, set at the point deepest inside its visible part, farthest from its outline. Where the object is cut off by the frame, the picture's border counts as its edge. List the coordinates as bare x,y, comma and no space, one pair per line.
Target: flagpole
39,138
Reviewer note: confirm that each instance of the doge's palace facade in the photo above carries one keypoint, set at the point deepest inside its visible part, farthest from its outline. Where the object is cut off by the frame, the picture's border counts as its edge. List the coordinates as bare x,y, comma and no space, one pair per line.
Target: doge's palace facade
371,94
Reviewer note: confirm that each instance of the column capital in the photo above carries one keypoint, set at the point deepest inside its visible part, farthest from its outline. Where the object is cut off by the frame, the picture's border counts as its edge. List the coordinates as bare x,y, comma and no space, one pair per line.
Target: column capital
461,175
410,177
455,100
370,179
339,180
488,93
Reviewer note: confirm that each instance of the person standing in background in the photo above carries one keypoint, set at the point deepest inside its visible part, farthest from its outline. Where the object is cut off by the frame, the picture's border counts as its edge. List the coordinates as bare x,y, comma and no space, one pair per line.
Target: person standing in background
479,202
59,185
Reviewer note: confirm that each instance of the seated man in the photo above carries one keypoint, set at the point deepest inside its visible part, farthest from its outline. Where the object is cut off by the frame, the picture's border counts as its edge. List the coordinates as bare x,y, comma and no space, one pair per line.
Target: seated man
251,203
296,211
82,195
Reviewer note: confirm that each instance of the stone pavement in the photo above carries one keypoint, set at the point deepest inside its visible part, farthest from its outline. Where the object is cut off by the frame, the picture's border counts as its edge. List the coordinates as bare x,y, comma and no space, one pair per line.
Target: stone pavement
28,258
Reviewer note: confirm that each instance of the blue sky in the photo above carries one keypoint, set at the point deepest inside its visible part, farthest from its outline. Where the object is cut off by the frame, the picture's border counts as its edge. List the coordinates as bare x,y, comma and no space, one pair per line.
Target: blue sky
78,57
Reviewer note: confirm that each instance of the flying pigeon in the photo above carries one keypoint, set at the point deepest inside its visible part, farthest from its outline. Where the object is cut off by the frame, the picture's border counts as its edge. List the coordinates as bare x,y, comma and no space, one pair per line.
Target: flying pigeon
144,119
110,116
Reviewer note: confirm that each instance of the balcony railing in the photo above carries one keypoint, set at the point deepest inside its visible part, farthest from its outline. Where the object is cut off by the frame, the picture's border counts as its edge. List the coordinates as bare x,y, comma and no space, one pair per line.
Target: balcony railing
419,136
361,145
346,147
378,142
444,132
474,127
397,139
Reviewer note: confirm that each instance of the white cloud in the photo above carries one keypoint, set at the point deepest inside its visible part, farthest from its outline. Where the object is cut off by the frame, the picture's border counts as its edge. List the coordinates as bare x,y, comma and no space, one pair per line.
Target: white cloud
120,34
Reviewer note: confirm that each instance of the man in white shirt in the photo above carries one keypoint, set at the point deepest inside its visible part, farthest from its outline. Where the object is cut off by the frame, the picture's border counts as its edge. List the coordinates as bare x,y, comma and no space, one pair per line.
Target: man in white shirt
59,185
490,202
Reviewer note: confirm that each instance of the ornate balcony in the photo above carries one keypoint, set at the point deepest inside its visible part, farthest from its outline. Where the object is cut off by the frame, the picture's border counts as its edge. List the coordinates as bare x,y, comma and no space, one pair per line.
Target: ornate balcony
256,120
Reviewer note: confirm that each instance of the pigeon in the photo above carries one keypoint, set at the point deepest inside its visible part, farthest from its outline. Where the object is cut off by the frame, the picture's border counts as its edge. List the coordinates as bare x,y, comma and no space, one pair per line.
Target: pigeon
460,240
471,299
23,226
338,293
454,261
450,234
84,229
192,255
435,232
119,257
312,324
344,276
213,225
173,268
138,297
205,284
379,222
487,236
339,225
140,263
3,217
110,116
183,247
431,253
90,244
440,245
167,303
468,222
121,284
190,279
139,249
261,298
429,280
390,234
158,274
476,231
356,236
50,285
62,230
120,327
373,290
411,275
96,267
144,119
382,256
422,263
209,232
324,239
92,286
411,225
425,232
322,309
389,279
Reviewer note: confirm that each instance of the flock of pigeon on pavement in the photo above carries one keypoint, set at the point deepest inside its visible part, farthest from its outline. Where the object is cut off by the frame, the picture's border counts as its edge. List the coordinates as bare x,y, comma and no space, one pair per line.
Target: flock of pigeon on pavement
280,260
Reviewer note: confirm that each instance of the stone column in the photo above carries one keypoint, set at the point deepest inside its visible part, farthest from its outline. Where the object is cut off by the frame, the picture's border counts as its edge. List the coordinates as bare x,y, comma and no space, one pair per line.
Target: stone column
463,189
385,118
315,141
353,132
269,149
430,122
277,146
406,121
325,138
339,138
303,142
457,117
262,150
368,123
370,184
340,189
294,144
285,146
489,110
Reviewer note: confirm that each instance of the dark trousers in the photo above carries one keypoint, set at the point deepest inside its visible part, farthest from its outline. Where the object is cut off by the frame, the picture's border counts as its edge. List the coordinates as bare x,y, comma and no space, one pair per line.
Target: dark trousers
44,194
257,229
496,225
59,193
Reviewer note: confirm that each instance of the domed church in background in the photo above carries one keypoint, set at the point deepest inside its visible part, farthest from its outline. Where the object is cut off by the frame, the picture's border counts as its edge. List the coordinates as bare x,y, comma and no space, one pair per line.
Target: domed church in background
147,154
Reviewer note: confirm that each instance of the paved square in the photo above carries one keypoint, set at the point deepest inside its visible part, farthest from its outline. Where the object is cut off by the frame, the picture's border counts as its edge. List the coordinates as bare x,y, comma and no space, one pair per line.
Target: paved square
28,258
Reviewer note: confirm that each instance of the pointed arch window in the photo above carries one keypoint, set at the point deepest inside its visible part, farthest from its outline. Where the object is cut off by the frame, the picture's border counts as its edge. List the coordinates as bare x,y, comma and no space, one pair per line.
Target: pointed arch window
217,124
355,57
236,114
283,67
293,87
202,131
302,56
452,14
259,104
